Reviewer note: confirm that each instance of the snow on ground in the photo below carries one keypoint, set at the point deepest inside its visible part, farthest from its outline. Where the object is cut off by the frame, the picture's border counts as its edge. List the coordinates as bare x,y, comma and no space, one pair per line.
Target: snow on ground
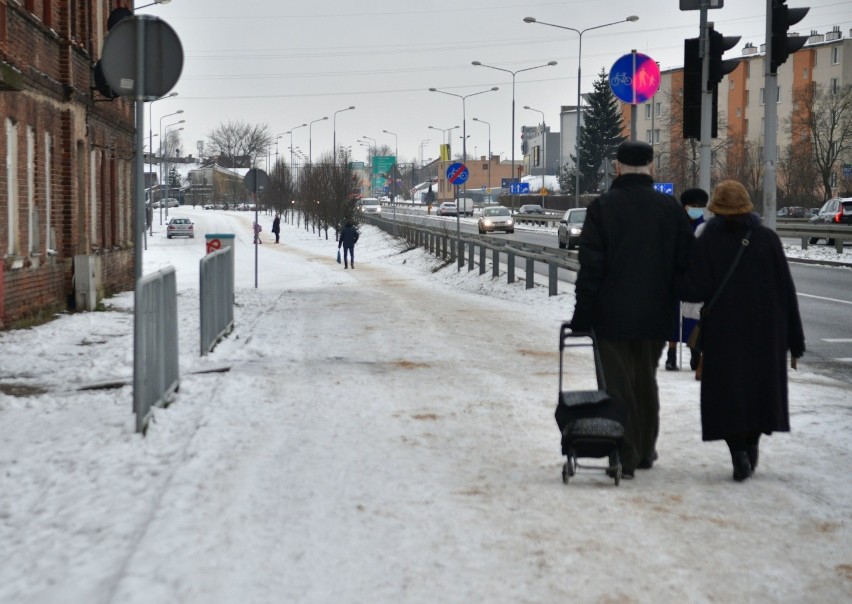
385,435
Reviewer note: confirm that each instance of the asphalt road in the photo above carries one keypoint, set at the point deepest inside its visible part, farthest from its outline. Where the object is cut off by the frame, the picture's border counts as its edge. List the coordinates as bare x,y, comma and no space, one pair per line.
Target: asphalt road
825,299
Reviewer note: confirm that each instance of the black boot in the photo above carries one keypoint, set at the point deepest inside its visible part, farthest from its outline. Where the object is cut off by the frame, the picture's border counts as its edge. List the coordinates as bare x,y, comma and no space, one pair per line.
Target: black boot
671,360
742,465
693,359
752,457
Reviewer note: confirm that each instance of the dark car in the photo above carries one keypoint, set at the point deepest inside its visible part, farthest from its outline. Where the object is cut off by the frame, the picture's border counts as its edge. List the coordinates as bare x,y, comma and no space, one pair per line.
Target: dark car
570,228
837,210
792,212
530,209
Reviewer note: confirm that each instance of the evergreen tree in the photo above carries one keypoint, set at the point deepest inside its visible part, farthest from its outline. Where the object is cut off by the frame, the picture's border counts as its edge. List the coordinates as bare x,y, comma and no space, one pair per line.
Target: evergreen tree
600,135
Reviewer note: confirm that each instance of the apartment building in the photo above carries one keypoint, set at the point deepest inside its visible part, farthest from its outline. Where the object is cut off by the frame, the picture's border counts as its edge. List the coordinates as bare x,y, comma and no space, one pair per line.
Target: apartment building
66,182
824,62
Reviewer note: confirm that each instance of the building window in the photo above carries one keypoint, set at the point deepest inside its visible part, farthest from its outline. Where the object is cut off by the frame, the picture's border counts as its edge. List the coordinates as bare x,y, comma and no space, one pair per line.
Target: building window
778,95
747,68
657,136
805,73
32,210
12,186
745,126
834,85
835,55
93,195
647,111
739,112
485,167
648,136
762,95
747,95
730,84
49,236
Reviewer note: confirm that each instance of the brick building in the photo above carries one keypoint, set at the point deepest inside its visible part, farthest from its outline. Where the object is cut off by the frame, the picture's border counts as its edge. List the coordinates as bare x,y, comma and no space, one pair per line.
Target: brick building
66,184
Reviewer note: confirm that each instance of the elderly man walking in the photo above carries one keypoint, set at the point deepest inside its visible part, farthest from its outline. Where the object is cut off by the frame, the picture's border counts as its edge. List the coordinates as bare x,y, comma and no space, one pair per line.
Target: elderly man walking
634,241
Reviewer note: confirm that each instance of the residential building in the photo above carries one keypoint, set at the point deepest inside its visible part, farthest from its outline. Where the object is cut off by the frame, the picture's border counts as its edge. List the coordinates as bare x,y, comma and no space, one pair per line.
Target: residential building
66,184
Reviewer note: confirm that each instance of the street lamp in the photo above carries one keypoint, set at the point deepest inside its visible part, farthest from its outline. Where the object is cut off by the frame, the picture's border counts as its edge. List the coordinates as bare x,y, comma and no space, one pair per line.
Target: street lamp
543,147
420,147
514,73
167,164
579,32
290,132
445,133
152,4
393,171
162,147
372,159
476,119
310,141
463,98
334,125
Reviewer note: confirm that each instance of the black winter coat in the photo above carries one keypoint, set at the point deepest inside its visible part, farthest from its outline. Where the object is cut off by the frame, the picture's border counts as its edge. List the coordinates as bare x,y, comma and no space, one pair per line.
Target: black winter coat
747,332
634,241
348,236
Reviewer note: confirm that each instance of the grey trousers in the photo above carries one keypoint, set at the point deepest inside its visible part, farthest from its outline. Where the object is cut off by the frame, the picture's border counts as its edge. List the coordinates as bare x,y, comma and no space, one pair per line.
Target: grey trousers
630,371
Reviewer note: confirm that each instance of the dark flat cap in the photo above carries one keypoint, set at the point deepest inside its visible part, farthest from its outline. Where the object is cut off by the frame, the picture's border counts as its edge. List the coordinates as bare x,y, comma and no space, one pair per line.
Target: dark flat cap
635,153
694,197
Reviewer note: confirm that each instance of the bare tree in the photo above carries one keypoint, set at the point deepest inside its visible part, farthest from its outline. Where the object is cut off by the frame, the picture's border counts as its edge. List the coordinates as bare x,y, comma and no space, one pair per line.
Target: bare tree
823,116
239,144
799,176
744,164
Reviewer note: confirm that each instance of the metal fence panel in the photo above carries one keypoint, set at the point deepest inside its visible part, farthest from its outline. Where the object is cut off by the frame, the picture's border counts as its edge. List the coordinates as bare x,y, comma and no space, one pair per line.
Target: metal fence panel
217,297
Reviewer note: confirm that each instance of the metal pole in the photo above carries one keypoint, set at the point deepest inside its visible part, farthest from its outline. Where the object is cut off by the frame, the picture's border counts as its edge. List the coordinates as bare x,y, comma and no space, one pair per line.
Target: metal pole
579,118
770,114
706,105
138,343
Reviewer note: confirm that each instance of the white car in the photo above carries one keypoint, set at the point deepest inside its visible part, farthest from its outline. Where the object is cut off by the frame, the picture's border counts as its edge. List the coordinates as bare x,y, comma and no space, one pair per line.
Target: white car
448,208
496,218
370,205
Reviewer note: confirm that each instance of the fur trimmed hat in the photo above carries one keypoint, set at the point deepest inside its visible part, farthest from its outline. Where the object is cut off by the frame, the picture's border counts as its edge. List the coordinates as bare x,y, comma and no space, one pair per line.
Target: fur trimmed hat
694,197
730,198
635,153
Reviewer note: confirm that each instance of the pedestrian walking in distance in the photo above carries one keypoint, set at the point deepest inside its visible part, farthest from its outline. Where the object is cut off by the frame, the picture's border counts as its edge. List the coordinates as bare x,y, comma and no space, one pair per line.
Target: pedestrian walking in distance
276,227
348,238
635,241
750,322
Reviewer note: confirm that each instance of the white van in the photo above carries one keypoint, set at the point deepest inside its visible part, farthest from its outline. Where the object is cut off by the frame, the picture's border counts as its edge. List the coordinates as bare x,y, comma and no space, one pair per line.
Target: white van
465,205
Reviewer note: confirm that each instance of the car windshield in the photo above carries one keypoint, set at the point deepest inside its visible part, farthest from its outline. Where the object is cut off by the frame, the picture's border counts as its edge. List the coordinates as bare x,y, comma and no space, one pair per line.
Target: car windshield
370,202
496,212
575,217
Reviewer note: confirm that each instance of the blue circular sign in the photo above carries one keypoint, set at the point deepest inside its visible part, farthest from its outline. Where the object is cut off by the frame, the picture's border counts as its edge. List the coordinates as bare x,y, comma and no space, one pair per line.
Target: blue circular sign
634,78
457,173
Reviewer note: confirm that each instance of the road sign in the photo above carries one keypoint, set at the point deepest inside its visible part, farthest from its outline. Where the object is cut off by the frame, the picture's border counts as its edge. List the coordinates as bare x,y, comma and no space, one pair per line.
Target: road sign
544,191
256,180
634,78
457,173
696,4
664,187
163,60
519,188
506,182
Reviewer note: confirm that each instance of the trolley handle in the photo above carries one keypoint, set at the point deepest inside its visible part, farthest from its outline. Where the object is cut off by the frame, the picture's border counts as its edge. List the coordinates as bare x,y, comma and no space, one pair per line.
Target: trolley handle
565,332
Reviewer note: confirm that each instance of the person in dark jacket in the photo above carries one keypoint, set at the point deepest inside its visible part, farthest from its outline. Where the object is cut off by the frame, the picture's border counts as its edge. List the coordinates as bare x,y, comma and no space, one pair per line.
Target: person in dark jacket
348,238
276,227
633,243
747,332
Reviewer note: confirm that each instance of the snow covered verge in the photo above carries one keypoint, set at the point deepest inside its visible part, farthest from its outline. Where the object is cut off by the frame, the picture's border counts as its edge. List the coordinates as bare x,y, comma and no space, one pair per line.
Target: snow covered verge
386,435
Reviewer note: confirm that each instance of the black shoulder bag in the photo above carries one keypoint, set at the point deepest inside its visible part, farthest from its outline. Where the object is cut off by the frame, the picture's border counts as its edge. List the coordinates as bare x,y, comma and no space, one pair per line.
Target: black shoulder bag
695,337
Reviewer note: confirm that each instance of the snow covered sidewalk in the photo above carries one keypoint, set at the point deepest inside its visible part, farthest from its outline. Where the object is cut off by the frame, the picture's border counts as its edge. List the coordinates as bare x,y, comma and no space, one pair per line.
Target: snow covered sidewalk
385,435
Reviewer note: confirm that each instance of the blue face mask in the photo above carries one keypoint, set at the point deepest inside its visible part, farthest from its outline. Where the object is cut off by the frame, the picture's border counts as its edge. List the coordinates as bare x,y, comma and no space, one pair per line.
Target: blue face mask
695,213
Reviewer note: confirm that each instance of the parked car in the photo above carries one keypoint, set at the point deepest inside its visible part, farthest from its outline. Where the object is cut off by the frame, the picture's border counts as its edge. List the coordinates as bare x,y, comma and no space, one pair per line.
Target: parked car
531,209
837,210
180,227
209,206
370,205
448,208
571,227
496,218
170,202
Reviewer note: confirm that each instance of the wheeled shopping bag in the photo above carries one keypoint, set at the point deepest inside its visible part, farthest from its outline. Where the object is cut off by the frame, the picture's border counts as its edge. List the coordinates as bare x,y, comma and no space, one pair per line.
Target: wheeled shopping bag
591,423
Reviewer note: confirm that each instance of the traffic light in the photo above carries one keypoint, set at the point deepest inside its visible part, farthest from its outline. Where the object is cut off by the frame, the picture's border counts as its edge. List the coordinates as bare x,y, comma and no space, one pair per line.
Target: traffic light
692,88
782,46
720,67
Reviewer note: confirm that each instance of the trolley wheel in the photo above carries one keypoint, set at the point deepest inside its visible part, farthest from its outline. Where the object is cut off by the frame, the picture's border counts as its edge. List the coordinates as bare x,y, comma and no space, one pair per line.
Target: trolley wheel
566,473
618,475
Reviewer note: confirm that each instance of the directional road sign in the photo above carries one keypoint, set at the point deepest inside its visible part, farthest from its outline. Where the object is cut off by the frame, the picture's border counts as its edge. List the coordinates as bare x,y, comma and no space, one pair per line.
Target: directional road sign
519,188
256,180
457,173
634,78
664,187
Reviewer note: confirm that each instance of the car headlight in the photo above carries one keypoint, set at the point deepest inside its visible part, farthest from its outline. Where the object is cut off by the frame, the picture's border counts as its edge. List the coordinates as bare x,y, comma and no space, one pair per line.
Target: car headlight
574,231
510,222
486,222
378,209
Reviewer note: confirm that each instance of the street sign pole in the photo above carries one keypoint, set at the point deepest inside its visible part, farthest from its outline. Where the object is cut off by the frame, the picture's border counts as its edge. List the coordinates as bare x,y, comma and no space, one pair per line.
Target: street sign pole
139,206
706,103
770,117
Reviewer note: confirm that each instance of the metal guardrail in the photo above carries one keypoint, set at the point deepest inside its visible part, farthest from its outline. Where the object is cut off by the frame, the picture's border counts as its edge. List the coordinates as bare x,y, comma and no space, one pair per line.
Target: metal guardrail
160,377
442,243
216,272
840,233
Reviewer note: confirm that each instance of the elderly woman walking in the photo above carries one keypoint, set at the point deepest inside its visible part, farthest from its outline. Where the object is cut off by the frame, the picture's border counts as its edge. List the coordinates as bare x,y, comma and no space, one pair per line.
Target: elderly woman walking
750,320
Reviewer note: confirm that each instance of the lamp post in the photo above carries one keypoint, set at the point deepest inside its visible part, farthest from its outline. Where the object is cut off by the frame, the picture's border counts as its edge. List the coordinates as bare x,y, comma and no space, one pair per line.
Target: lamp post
162,146
151,124
420,148
152,4
334,128
290,132
543,148
310,140
393,171
513,73
372,161
167,164
579,32
445,134
463,98
476,119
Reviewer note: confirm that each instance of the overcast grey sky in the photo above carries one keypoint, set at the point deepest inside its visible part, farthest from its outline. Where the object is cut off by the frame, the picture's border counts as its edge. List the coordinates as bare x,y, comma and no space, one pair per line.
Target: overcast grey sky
289,63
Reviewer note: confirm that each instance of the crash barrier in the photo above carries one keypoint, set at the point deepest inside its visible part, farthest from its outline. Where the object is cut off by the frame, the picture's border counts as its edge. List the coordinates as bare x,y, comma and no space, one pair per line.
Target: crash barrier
839,233
472,249
158,376
217,297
